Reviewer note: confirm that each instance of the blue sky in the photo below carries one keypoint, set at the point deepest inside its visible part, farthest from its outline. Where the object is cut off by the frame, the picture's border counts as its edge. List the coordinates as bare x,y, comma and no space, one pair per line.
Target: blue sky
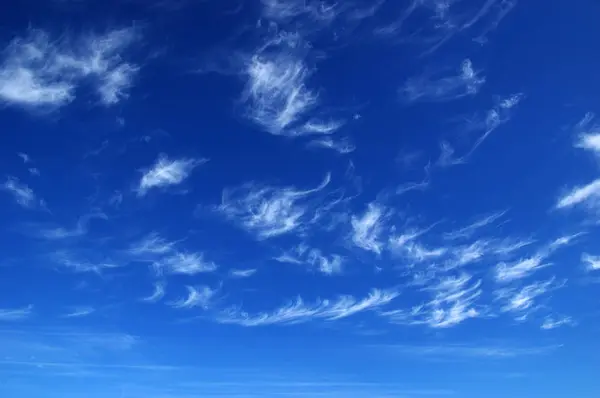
286,198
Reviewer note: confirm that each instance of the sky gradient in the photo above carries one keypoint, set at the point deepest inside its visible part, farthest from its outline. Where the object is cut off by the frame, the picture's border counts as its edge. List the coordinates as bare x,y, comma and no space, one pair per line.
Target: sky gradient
294,198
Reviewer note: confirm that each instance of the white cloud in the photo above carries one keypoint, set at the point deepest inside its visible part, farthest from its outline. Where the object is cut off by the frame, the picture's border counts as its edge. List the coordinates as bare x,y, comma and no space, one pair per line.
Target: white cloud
553,323
75,264
198,296
16,314
592,263
152,244
43,72
469,351
277,92
341,145
25,157
79,312
520,269
157,294
185,263
22,194
80,229
368,228
499,114
165,173
267,211
522,301
588,195
469,230
298,311
303,255
286,10
242,273
452,303
590,142
427,88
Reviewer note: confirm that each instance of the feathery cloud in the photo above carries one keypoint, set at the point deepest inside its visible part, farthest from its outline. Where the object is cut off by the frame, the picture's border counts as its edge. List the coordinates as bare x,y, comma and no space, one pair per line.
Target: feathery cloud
38,71
427,88
522,301
553,323
453,302
592,263
78,312
185,263
277,93
22,194
166,173
468,231
470,351
587,195
298,311
342,145
267,211
73,262
304,255
16,314
198,296
80,229
368,228
242,273
151,244
157,294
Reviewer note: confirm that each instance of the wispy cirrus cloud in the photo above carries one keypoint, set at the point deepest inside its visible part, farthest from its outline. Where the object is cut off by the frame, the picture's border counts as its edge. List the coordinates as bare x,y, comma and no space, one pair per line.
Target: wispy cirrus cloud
167,173
23,195
157,294
432,88
81,228
188,263
242,273
299,311
584,195
150,245
522,301
551,322
368,228
453,301
39,71
476,351
16,314
277,94
78,312
314,258
341,145
468,231
81,264
592,263
445,20
198,296
267,211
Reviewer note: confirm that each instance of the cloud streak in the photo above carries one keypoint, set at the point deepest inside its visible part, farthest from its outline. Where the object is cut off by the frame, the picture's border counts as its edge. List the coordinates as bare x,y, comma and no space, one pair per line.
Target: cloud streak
39,71
298,311
268,212
427,88
167,173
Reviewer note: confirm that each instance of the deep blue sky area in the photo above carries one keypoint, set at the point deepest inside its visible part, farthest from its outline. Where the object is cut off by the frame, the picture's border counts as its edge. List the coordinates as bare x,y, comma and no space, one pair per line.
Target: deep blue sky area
296,198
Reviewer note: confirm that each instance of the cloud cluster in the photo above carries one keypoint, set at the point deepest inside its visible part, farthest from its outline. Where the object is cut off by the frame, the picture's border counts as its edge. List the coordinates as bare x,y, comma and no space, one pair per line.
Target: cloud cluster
167,173
166,257
426,88
267,211
23,195
298,311
39,71
314,258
